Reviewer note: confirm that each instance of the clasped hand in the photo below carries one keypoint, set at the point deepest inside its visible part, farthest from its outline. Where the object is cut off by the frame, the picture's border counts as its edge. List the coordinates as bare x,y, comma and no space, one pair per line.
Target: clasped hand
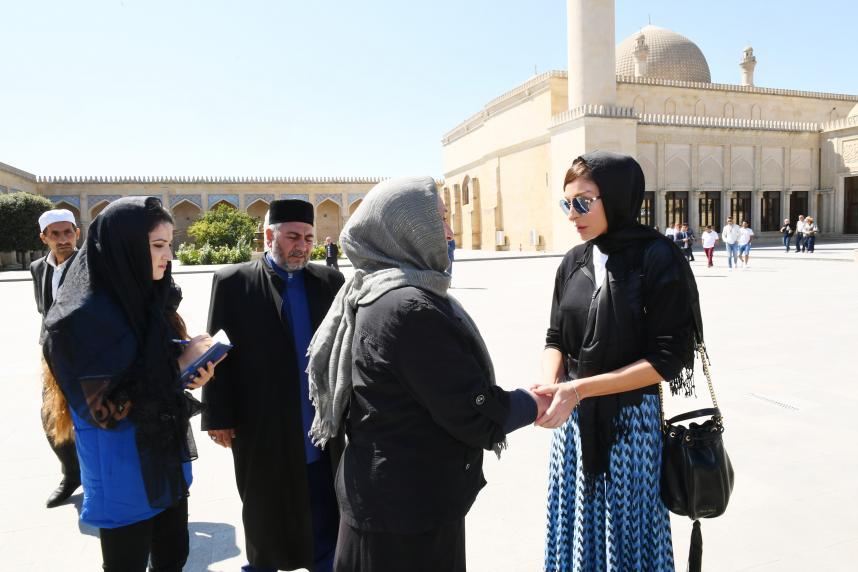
554,403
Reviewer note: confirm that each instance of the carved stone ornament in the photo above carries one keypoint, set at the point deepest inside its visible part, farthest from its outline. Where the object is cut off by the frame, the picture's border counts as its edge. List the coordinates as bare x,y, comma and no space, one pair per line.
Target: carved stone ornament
850,152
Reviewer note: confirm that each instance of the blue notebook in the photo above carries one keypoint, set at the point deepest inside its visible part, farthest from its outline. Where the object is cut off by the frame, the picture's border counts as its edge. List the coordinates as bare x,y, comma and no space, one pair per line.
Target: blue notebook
220,347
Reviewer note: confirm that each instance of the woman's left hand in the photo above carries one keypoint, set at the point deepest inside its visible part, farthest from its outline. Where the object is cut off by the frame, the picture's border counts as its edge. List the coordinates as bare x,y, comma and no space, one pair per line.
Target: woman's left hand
563,403
204,375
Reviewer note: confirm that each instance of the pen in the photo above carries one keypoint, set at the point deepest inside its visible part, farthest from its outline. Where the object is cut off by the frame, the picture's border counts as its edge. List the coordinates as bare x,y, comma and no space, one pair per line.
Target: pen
181,342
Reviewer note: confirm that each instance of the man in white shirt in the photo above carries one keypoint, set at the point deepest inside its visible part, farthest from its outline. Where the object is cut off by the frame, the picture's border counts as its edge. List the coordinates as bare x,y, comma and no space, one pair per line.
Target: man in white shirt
730,236
709,238
671,231
799,233
60,234
746,235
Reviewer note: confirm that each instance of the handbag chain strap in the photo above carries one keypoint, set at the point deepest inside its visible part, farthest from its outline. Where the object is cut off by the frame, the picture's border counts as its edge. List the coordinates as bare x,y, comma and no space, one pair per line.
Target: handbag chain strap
704,359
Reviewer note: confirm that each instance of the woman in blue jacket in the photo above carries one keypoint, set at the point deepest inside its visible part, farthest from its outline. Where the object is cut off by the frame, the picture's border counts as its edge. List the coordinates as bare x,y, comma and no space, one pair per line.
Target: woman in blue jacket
111,350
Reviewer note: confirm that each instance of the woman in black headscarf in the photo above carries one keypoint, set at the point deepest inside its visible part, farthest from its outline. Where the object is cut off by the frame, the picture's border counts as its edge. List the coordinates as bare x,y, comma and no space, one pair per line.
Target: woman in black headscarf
624,317
111,349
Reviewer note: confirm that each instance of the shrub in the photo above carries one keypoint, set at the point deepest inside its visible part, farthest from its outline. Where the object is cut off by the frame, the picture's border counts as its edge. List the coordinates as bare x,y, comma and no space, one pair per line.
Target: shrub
318,252
19,221
190,254
223,226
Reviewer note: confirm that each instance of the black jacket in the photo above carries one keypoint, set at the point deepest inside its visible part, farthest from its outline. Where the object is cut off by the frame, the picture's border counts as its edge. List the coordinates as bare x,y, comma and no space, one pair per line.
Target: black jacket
43,274
658,307
642,310
420,415
331,251
256,391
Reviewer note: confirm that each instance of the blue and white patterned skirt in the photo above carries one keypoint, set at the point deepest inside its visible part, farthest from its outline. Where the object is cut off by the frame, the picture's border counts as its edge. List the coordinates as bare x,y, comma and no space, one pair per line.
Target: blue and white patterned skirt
622,525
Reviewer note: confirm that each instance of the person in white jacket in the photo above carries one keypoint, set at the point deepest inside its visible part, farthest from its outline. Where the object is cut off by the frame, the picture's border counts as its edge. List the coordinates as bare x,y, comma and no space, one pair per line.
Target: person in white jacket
730,236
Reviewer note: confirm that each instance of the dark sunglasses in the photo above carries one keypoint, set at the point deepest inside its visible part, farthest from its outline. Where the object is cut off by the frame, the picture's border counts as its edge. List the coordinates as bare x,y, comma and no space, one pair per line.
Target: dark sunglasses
580,204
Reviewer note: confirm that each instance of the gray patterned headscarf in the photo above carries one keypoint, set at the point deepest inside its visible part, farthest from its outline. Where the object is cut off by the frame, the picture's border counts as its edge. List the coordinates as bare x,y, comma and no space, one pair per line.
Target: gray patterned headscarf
396,238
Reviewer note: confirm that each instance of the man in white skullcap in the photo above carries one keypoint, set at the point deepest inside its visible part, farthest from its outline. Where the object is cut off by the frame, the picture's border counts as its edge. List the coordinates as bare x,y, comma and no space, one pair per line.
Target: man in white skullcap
60,233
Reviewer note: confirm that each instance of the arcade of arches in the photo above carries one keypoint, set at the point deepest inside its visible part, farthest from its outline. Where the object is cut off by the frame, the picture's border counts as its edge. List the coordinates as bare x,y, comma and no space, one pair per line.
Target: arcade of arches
335,199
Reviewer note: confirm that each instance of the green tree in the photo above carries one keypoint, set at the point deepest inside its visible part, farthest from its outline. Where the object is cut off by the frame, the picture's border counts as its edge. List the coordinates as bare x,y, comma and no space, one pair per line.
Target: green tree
223,226
19,221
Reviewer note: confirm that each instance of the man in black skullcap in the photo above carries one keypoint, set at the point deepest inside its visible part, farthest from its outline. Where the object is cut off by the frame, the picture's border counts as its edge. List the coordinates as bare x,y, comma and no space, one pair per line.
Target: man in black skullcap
259,402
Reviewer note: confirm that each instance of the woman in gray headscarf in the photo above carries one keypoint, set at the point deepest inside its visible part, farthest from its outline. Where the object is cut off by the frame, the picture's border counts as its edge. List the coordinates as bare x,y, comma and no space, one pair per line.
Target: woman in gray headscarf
401,366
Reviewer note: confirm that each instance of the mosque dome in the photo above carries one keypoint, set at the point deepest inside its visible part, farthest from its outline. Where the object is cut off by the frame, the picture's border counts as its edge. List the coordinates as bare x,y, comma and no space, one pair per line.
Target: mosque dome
671,56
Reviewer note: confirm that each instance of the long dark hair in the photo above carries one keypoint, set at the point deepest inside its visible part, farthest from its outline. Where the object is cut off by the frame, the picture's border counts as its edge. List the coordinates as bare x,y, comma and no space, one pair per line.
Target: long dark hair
55,408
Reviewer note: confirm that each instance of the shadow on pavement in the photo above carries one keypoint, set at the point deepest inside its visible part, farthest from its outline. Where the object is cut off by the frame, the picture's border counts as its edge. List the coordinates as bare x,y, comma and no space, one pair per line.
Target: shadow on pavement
77,501
211,542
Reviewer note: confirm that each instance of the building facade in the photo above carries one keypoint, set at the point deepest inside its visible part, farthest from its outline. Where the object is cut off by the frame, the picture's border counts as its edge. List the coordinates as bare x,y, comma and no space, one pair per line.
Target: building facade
187,198
708,150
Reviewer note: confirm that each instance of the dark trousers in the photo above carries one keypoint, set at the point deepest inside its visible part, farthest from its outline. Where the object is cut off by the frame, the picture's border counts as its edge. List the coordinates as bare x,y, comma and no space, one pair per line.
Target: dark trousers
689,253
161,541
66,452
809,243
799,238
325,514
786,242
442,548
332,263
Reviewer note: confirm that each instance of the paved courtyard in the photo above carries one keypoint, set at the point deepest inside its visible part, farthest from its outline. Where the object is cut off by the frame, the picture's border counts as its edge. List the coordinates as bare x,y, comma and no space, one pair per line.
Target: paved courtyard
781,336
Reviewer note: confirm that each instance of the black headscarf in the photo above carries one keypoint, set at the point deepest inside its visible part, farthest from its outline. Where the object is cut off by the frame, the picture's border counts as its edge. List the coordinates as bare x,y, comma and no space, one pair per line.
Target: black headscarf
108,341
621,187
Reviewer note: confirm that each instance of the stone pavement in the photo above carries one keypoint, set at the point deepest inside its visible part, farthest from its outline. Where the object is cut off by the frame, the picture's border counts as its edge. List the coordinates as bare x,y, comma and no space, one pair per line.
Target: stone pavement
781,336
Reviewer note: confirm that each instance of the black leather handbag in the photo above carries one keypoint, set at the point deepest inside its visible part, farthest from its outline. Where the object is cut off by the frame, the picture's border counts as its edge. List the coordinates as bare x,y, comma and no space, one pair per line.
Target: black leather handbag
696,473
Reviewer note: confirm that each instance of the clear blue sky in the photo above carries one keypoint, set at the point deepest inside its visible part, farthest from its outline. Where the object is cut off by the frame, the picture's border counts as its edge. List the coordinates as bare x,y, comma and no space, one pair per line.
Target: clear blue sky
323,87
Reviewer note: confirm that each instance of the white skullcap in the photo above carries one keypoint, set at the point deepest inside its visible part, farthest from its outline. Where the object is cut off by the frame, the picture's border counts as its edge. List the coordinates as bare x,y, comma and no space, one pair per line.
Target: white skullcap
56,215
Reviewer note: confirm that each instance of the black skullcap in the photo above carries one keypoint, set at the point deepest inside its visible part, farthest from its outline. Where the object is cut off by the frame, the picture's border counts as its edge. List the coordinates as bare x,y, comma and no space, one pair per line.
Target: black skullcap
290,210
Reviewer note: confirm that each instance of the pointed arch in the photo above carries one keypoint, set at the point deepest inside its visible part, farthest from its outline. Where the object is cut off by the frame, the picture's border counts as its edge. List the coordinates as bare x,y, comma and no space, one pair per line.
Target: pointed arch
354,206
756,112
729,110
96,209
699,108
710,173
669,107
639,105
185,213
258,209
223,203
328,220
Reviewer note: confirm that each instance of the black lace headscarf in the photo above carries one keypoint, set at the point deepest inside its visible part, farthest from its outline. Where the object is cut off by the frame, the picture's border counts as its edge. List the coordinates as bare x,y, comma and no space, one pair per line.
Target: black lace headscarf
621,188
109,303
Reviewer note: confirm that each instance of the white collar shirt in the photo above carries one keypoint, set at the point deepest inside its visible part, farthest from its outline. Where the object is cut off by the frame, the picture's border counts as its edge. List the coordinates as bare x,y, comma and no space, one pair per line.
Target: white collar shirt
58,273
600,259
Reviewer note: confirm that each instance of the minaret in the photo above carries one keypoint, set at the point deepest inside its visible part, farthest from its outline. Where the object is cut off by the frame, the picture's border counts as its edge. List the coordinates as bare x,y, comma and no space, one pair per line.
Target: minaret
748,64
592,59
641,53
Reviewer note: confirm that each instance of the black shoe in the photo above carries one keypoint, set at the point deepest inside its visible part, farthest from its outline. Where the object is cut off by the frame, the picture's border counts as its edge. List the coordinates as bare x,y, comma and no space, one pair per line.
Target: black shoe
62,493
